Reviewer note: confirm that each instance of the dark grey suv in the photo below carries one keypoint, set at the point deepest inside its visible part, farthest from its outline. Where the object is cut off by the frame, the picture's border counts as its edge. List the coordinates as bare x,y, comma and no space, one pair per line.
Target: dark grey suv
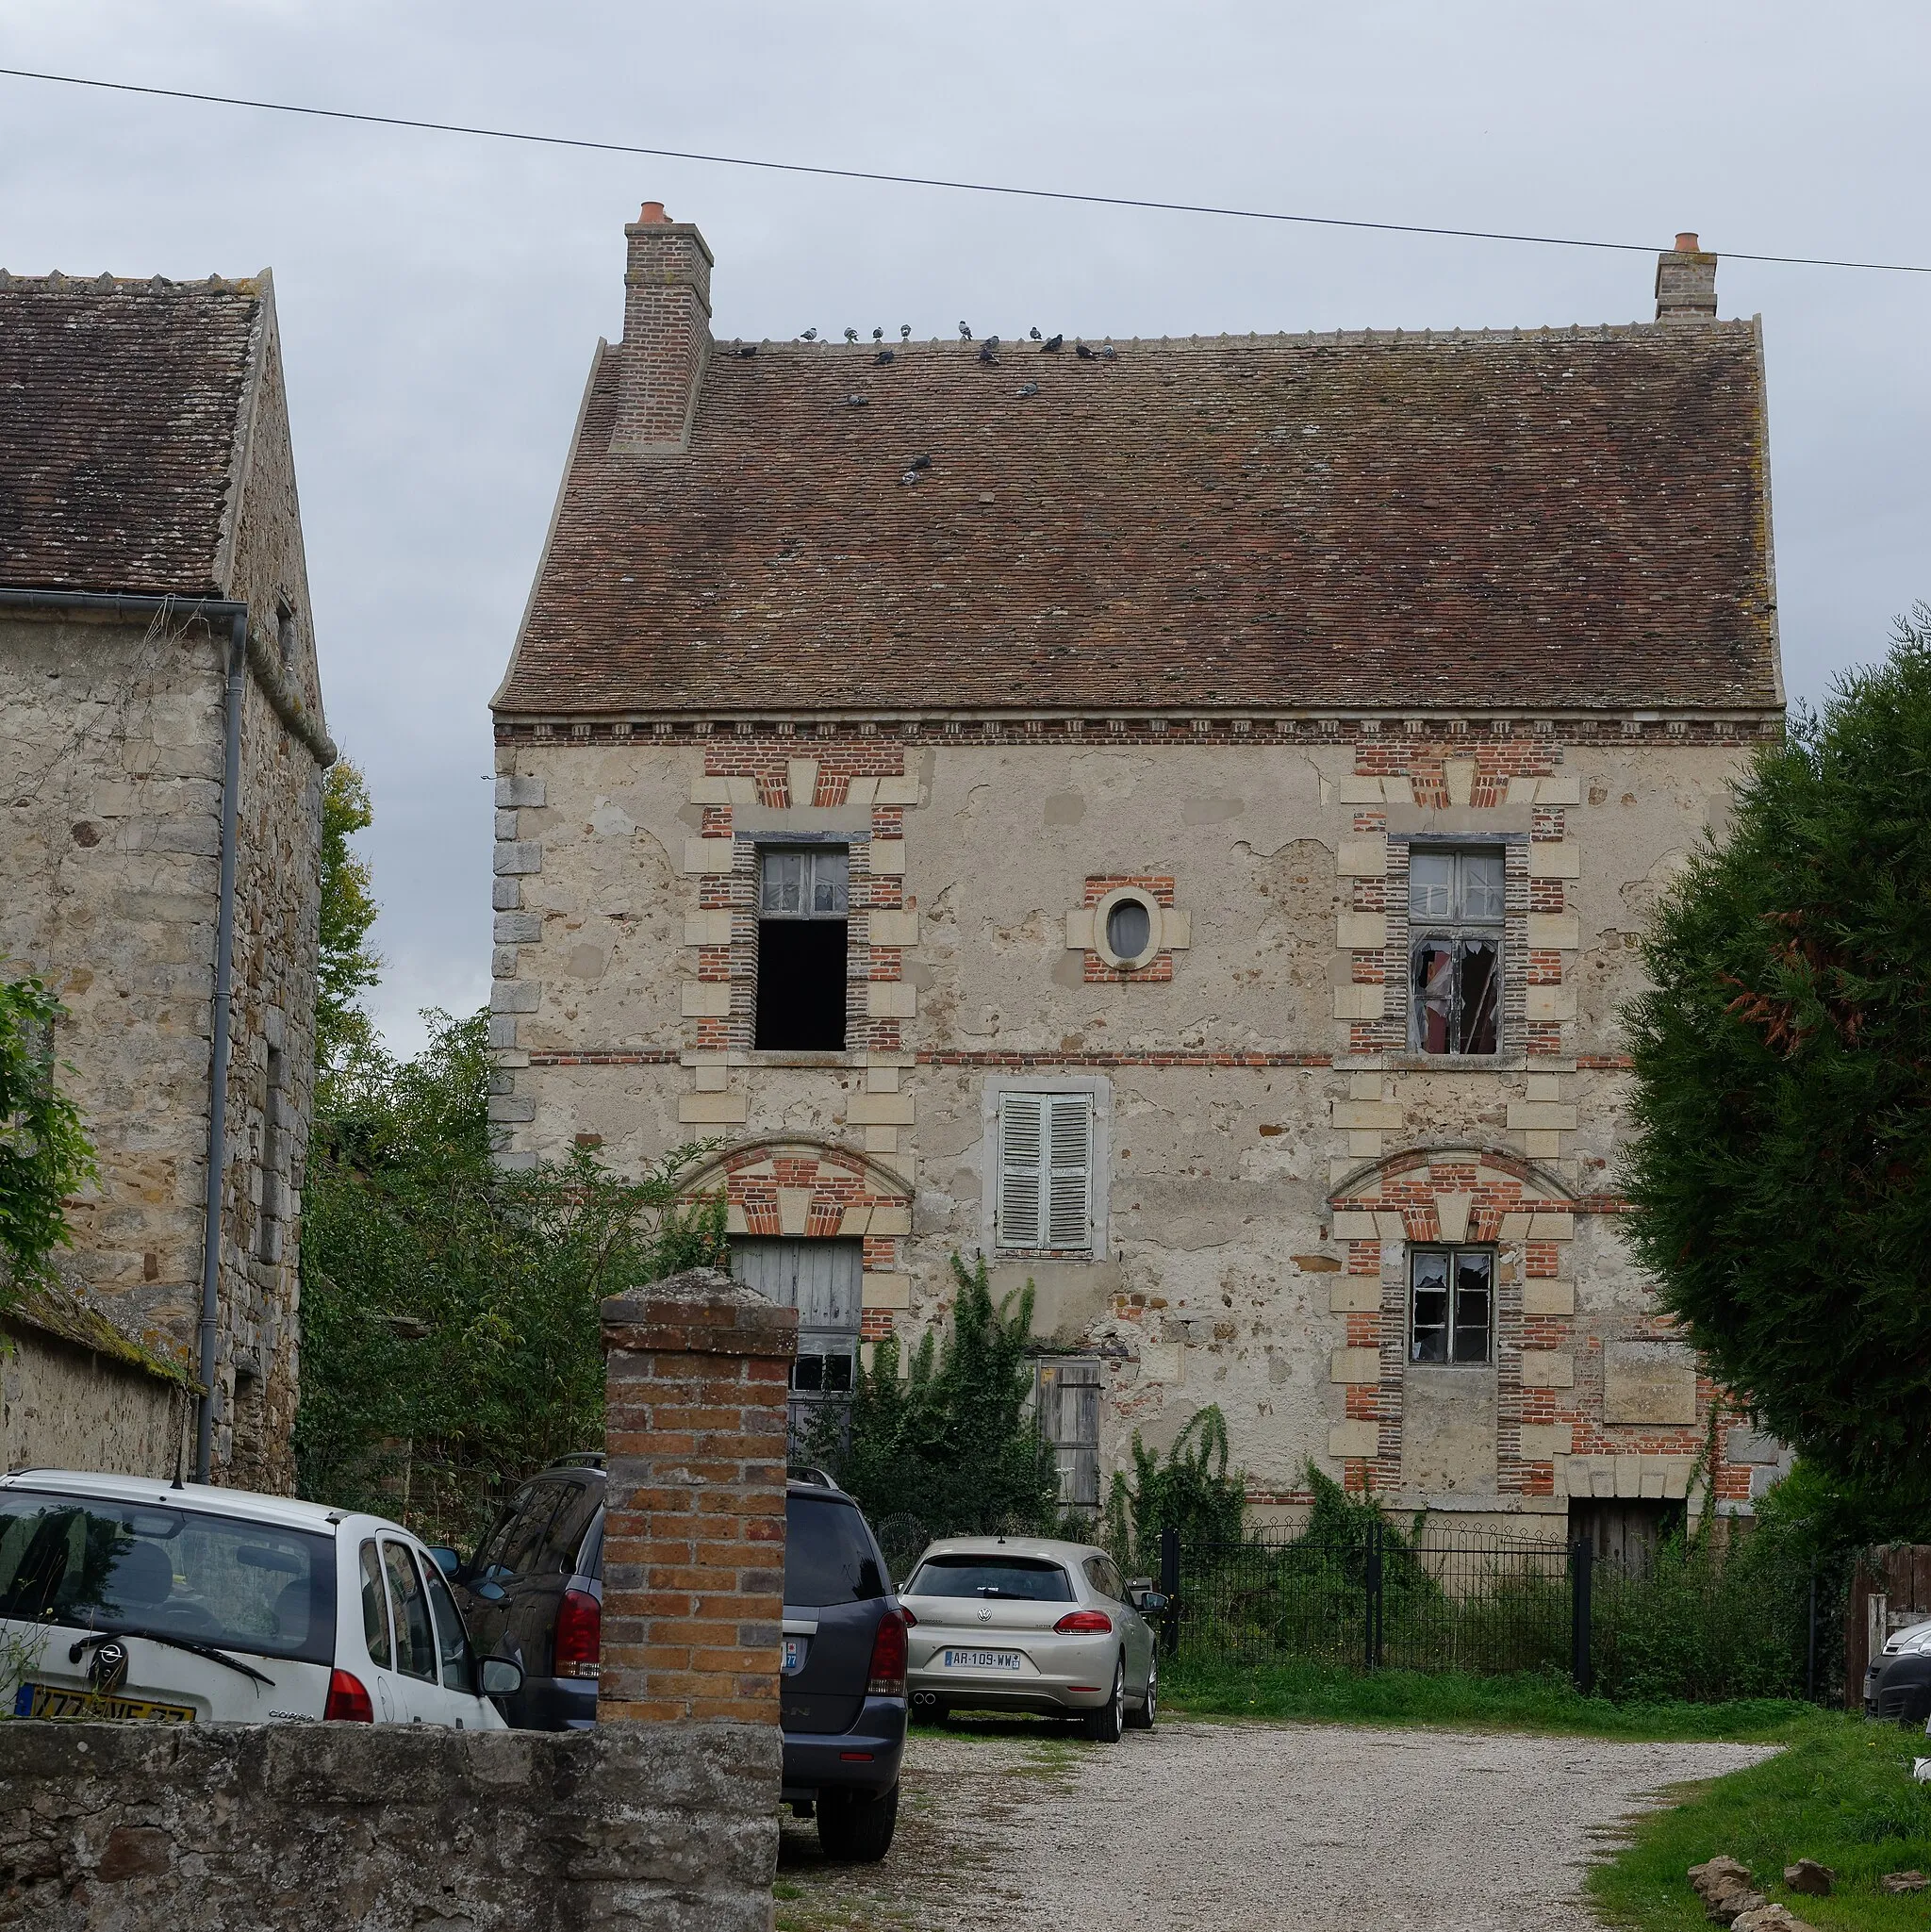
534,1592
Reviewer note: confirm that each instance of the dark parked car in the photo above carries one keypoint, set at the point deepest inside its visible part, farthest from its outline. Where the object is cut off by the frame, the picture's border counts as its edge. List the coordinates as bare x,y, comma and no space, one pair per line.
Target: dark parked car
534,1592
1897,1685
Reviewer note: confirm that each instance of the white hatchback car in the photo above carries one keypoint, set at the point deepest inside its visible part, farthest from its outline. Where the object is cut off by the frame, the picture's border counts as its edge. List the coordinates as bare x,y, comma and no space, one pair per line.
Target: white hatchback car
124,1597
1024,1623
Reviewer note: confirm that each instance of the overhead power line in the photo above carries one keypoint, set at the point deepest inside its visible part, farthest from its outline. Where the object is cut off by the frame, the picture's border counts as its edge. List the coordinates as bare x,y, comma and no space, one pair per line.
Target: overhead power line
1061,194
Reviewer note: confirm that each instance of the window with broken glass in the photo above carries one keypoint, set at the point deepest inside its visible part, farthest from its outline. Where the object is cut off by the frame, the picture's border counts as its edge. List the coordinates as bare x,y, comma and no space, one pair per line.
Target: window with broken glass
1454,899
1451,1299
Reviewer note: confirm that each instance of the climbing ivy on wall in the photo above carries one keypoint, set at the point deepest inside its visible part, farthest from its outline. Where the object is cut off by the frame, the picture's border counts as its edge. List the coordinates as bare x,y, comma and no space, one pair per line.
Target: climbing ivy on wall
45,1154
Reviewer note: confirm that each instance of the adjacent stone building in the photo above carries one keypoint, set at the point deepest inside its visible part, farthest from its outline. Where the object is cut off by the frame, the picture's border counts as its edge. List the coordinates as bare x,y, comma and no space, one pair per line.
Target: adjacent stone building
151,565
1175,818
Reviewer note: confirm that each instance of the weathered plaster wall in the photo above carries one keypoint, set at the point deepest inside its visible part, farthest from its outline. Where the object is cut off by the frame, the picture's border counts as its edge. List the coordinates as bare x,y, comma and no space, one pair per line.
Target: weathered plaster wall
1274,1145
283,1827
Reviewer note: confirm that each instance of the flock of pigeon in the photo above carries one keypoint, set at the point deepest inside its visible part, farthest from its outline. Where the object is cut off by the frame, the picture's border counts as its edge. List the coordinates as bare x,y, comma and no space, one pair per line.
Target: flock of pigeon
988,354
989,350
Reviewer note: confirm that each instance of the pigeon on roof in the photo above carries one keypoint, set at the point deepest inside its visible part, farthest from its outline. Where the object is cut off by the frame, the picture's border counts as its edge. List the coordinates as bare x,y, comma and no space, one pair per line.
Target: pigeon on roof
1084,353
747,350
878,335
809,336
986,355
1030,389
1033,334
1052,345
1107,352
922,462
852,334
884,355
964,332
854,400
904,332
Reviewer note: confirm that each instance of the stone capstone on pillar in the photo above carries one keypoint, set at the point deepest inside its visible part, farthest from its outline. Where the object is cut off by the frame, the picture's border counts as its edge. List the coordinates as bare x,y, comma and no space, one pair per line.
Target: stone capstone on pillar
696,1378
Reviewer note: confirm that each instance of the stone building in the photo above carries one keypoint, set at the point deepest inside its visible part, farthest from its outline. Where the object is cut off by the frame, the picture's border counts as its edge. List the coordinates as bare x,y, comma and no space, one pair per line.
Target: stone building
1175,818
152,587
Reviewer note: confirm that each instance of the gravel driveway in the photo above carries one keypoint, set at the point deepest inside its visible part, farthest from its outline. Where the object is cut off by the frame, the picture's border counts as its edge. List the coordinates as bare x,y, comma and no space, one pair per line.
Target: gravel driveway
1239,1827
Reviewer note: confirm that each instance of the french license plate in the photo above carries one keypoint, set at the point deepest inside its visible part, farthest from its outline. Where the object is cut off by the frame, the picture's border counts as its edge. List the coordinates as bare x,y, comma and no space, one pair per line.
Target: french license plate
48,1700
795,1649
982,1661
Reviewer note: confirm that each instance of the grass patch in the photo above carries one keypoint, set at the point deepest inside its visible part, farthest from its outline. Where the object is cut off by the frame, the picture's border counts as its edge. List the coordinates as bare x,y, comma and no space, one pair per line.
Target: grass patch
1325,1693
1840,1792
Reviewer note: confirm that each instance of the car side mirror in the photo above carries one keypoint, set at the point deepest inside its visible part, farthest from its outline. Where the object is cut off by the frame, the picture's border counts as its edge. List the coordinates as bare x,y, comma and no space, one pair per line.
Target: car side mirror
447,1560
1150,1603
503,1677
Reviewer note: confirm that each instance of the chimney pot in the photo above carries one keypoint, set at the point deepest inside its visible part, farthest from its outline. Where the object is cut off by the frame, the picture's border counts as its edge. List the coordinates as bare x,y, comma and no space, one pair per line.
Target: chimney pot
653,212
1685,283
667,335
1686,244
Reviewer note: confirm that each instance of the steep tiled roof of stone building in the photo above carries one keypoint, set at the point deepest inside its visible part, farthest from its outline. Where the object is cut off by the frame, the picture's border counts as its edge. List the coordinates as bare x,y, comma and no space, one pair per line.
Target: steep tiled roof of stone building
119,402
1561,518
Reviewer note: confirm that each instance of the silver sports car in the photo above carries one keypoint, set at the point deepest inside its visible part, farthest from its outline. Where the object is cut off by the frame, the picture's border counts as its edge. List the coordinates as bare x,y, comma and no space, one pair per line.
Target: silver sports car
1020,1623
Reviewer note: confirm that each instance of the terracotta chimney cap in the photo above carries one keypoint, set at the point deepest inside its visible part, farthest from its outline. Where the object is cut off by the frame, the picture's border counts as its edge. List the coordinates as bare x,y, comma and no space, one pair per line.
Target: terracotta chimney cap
1686,244
653,211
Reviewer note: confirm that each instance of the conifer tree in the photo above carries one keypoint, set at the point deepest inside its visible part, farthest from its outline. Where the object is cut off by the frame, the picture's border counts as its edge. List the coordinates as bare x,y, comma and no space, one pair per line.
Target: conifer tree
1781,1173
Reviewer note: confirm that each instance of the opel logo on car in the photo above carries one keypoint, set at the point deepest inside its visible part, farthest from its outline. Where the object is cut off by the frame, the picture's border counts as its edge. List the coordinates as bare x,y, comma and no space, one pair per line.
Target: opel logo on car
107,1670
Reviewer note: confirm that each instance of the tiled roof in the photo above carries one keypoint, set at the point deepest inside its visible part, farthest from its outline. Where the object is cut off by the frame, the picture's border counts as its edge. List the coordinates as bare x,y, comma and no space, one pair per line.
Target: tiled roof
1562,518
118,407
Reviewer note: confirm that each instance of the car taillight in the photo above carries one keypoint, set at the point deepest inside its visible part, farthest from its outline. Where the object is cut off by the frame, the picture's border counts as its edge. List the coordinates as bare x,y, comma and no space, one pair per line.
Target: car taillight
1095,1623
348,1701
887,1677
579,1635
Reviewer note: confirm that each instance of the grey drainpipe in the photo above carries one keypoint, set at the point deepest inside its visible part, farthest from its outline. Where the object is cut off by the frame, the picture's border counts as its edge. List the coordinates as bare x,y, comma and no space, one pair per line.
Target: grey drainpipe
218,1077
212,610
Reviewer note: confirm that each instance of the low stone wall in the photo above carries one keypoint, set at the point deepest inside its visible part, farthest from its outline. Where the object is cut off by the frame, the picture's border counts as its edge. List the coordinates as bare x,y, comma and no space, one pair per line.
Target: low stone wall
246,1828
74,1394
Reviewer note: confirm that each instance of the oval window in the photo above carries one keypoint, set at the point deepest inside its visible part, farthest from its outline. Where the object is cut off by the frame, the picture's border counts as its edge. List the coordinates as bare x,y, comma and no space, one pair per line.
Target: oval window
1128,927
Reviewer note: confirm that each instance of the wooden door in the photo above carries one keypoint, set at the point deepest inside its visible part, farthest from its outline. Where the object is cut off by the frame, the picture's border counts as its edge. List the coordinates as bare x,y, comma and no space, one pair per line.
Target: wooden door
1068,1398
824,1281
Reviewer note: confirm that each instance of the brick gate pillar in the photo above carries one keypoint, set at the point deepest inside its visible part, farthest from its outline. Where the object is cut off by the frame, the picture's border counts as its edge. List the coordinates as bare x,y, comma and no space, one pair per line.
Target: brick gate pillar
695,1371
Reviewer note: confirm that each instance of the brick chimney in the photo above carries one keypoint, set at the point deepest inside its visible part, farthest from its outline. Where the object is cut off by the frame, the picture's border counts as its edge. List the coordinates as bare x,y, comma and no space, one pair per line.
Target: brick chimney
1685,283
667,335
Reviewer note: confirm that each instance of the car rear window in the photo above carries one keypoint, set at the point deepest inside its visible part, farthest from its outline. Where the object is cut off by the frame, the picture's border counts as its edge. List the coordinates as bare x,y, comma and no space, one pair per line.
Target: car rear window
178,1573
829,1555
1030,1579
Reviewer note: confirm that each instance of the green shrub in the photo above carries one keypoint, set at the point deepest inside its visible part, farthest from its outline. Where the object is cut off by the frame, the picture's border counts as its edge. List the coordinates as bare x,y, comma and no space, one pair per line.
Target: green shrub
451,1328
1192,1490
44,1151
949,1449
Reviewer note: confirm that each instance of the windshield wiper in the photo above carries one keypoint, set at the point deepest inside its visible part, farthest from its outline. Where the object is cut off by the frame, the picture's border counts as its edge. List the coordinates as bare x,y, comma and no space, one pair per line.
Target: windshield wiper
176,1642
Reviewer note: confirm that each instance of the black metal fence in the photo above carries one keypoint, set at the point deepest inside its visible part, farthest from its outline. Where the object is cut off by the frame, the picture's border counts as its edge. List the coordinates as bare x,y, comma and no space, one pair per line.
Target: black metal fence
1368,1595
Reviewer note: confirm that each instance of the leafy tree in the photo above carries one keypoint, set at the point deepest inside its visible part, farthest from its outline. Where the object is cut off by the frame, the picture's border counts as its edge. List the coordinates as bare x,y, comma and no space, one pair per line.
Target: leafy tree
451,1339
1781,1173
346,967
951,1442
1193,1491
44,1151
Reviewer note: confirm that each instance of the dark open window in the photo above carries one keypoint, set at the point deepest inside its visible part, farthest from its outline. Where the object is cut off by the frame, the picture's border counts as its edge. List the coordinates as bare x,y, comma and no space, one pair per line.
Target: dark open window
802,896
1452,1302
1455,949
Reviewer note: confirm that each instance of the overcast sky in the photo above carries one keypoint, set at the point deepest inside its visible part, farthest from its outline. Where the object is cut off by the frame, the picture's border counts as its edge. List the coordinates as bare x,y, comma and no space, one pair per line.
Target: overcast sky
439,297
